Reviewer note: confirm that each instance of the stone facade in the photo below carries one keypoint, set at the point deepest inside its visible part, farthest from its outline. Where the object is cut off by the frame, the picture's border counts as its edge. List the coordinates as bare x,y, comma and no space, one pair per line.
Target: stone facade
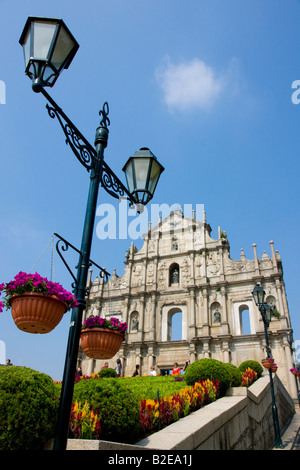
182,273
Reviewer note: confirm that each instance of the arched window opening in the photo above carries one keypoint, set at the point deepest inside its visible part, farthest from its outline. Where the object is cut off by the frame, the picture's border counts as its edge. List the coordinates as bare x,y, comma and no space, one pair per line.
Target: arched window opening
245,320
174,274
175,324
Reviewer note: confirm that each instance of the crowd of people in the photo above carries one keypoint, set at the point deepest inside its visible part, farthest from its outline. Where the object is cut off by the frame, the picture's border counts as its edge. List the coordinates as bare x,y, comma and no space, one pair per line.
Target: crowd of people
152,373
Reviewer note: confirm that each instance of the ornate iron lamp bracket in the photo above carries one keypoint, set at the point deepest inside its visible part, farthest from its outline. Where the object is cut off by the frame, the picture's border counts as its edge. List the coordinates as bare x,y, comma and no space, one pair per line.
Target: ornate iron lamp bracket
80,147
63,244
84,151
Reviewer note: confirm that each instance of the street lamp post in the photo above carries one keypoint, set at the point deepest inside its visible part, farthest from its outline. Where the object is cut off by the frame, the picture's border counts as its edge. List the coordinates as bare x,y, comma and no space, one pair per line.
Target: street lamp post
266,312
295,362
49,47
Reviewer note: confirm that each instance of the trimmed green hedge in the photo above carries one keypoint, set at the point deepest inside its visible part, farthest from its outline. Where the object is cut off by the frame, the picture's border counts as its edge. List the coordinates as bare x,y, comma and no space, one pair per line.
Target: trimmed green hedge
253,365
28,408
118,407
236,375
108,372
209,369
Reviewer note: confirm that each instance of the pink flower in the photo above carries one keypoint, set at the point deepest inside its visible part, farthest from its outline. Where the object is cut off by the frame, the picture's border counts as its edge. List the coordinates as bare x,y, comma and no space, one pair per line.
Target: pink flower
24,282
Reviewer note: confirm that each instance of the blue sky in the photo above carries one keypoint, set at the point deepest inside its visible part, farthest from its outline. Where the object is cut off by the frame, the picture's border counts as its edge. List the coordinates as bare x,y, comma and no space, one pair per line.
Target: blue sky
207,86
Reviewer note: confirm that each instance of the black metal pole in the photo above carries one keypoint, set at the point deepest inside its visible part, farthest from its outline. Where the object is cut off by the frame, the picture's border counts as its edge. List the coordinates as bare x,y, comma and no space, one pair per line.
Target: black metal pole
278,442
62,428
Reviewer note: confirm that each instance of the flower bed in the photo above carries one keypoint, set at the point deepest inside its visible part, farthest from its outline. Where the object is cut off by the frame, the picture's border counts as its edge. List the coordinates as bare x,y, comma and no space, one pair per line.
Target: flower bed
154,413
158,413
161,401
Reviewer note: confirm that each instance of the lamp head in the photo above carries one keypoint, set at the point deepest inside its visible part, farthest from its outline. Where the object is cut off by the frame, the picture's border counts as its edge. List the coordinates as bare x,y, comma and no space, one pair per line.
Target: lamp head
142,172
49,47
259,295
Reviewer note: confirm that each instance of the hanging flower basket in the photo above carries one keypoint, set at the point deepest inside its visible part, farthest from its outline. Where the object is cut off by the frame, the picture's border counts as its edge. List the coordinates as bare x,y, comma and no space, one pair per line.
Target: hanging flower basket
37,305
274,368
268,362
295,372
37,313
101,338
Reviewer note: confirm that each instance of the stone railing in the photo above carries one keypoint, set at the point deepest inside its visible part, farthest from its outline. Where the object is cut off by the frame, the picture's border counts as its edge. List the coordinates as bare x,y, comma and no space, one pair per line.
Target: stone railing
241,420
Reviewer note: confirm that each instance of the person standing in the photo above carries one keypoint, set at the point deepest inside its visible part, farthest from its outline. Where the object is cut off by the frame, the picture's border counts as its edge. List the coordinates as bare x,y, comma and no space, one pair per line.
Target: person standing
176,369
136,372
118,368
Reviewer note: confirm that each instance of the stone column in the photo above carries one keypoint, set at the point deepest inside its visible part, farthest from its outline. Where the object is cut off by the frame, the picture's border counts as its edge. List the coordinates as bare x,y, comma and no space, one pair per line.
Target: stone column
257,273
226,351
142,316
192,316
193,354
273,256
289,365
126,308
153,318
206,350
224,319
206,327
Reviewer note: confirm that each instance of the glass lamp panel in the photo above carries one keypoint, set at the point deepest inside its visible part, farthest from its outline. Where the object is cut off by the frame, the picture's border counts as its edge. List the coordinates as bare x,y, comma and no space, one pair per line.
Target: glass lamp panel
259,295
268,313
42,38
141,166
26,47
48,75
129,175
154,175
63,47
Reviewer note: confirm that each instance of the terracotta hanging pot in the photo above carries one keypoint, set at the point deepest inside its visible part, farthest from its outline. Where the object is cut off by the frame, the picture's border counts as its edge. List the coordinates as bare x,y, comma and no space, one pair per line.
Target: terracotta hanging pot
100,343
267,363
274,368
37,313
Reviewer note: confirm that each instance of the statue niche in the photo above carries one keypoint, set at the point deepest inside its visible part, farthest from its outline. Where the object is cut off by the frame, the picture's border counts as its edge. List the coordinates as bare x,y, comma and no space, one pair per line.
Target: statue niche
174,274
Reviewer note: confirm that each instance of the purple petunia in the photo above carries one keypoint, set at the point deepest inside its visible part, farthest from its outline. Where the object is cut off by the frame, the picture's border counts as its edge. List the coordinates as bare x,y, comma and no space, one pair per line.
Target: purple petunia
94,321
24,282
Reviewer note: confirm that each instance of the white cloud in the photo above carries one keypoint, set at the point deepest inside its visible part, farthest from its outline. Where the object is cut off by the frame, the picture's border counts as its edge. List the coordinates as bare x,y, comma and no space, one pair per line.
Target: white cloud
187,85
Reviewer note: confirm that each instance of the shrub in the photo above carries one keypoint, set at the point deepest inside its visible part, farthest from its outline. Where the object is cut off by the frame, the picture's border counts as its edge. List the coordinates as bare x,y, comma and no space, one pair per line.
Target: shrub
208,369
28,408
108,372
117,407
236,375
254,365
